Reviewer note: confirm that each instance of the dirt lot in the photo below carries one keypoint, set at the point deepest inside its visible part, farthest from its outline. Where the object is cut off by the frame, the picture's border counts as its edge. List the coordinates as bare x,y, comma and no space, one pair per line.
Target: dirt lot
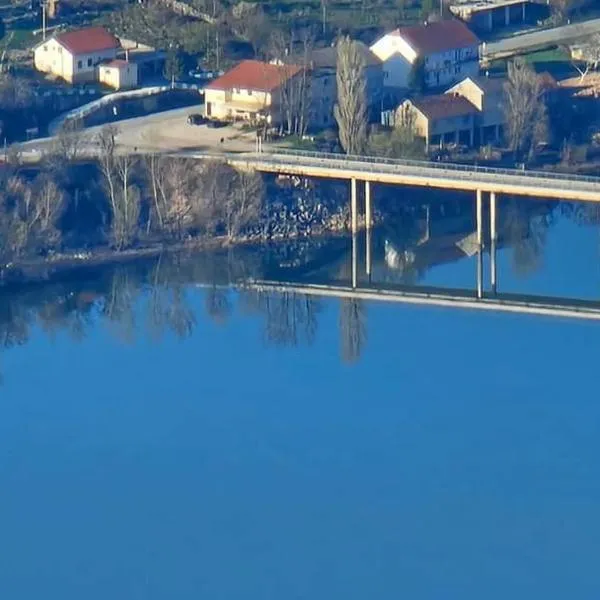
171,131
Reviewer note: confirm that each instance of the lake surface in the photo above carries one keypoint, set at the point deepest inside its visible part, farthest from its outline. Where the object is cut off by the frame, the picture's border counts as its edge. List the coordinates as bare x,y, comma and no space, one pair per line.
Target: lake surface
164,440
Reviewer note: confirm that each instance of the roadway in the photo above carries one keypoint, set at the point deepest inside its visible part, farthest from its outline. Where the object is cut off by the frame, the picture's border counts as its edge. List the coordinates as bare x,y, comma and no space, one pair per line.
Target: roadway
418,173
539,39
165,131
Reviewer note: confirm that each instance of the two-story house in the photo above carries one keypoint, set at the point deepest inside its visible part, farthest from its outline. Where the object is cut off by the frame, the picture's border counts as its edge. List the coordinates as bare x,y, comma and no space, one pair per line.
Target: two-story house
75,55
448,51
323,68
487,94
440,119
253,90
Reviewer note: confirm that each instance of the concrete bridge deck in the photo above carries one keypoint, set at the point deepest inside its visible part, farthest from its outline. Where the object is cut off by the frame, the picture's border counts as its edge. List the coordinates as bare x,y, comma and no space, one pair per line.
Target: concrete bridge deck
539,184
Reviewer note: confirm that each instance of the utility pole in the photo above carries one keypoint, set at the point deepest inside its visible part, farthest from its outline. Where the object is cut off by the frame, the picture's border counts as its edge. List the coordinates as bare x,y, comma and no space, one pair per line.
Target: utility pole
218,62
43,2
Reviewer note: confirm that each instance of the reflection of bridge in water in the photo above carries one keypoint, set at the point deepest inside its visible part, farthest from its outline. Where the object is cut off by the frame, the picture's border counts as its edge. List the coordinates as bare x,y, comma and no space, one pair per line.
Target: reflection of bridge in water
444,297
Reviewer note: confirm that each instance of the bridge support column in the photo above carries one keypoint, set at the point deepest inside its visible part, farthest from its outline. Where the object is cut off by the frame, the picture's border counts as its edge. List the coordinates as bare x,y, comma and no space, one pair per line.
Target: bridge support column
354,260
369,226
479,218
494,239
353,207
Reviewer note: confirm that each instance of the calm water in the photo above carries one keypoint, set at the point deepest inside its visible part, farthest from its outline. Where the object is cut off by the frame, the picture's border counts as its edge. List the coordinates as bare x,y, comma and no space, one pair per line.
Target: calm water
159,440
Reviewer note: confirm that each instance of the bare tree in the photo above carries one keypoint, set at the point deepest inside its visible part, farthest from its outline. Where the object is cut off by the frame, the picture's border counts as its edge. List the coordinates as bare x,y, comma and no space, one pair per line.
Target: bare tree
351,109
295,89
243,204
126,217
68,143
524,107
124,196
589,59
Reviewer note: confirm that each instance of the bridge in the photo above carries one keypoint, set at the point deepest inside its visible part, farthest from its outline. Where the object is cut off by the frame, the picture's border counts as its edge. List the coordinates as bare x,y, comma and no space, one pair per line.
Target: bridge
459,299
447,176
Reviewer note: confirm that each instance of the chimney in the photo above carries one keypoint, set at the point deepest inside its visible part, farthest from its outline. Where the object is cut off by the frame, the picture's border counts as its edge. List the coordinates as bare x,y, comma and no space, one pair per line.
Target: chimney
127,54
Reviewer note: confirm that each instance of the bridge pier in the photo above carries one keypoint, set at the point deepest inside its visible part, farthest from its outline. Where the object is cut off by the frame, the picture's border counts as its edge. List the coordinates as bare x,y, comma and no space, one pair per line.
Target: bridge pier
353,207
494,239
368,225
479,218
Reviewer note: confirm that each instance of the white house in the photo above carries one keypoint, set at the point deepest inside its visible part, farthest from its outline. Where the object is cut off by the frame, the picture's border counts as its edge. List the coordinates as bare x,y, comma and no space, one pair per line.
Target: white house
449,51
75,55
118,74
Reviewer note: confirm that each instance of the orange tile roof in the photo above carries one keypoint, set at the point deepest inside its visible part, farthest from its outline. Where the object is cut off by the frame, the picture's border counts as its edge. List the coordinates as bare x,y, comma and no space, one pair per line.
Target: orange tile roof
255,75
444,106
88,40
439,36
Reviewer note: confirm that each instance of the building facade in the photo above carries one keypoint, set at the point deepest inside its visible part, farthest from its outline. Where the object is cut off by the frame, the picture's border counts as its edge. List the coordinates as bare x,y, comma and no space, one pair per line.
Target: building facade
447,50
251,91
323,69
118,74
74,56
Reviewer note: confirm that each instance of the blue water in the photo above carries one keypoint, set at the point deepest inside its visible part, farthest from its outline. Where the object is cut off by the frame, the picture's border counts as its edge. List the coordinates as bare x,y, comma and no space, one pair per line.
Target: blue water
457,458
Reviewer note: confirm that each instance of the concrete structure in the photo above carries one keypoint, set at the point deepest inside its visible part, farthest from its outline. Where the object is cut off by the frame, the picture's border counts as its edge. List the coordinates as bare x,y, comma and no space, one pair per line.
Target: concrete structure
448,49
251,91
487,15
118,74
74,56
534,184
517,44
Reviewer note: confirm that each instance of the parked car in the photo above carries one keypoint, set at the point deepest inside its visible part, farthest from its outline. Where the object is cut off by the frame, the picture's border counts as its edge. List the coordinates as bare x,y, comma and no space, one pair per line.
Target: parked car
196,119
216,124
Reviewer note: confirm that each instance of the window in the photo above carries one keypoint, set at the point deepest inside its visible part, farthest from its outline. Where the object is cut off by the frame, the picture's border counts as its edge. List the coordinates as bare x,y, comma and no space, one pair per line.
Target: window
79,64
89,62
60,49
46,48
249,92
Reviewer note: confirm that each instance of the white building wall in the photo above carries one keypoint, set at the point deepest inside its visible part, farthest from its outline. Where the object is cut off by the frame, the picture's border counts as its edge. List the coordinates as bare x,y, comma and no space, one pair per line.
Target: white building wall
50,57
441,68
84,65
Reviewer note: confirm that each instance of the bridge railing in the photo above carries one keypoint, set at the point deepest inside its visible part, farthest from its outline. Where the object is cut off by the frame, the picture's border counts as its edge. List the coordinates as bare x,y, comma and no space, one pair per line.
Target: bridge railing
466,170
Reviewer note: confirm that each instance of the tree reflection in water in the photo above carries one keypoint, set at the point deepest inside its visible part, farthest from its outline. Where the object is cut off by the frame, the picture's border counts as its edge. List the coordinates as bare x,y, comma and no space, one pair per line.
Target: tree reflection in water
525,230
156,297
353,329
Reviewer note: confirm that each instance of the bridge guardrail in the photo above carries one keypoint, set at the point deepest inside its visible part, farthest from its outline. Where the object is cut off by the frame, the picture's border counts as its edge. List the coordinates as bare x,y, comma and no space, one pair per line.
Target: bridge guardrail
441,167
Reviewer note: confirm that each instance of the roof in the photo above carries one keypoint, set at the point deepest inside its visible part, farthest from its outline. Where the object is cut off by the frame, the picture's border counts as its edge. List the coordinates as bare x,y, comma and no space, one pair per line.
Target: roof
438,36
88,40
482,5
444,106
118,63
488,85
327,57
255,75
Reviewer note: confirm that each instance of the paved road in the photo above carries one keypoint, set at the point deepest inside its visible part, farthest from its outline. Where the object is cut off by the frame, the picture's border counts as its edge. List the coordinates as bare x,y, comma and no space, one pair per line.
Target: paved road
421,173
527,41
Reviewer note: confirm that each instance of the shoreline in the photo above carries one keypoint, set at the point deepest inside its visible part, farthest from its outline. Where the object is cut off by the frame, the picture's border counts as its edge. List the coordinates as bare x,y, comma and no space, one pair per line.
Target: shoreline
43,269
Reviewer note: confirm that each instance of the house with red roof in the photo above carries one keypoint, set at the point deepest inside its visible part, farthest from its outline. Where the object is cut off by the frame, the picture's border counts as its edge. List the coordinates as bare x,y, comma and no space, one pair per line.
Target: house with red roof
252,90
448,50
75,55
